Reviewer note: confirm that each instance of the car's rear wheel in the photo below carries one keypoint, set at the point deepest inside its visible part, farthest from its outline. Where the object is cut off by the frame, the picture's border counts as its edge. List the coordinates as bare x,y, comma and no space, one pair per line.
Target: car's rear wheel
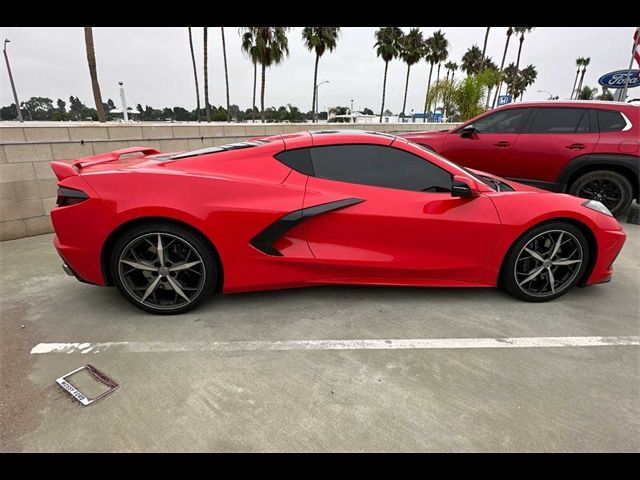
610,188
163,268
546,262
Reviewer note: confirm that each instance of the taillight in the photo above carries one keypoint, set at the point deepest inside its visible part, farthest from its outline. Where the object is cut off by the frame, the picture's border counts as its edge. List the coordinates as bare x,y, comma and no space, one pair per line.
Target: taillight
70,196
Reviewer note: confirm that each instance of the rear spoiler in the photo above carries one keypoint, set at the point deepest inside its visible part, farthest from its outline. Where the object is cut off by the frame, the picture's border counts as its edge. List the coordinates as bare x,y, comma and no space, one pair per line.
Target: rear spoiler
66,169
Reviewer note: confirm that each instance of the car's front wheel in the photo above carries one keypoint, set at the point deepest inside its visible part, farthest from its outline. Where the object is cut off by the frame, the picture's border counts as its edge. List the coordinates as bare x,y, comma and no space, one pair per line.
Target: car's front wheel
163,268
546,262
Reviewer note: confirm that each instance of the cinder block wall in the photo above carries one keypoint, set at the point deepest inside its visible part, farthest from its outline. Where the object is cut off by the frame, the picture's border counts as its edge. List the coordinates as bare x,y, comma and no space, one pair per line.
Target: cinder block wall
27,183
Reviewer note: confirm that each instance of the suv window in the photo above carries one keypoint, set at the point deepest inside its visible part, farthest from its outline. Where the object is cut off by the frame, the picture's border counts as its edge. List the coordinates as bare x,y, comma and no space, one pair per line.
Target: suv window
379,166
506,121
560,120
610,121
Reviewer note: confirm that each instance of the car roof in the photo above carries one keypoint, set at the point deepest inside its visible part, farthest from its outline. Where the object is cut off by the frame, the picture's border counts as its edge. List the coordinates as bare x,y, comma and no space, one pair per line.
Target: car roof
565,103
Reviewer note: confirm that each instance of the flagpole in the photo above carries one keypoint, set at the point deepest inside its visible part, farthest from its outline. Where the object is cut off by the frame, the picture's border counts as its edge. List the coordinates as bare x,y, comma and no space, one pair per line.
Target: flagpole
623,97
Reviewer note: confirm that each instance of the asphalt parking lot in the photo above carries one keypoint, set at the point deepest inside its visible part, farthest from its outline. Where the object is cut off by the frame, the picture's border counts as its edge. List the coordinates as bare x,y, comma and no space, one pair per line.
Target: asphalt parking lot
256,372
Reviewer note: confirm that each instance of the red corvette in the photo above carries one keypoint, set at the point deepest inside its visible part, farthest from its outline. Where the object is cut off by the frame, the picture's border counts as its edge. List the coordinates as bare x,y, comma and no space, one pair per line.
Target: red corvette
318,208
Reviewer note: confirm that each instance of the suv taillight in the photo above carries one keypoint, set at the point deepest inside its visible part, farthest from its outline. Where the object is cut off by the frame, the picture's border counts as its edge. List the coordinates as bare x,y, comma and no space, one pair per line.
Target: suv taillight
70,196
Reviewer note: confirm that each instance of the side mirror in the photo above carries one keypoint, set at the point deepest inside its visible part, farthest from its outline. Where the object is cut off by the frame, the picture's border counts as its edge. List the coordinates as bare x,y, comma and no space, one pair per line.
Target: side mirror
468,131
461,187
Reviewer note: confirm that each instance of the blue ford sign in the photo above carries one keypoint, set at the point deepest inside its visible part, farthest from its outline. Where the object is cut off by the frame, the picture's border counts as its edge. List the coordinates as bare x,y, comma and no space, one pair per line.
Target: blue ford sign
617,79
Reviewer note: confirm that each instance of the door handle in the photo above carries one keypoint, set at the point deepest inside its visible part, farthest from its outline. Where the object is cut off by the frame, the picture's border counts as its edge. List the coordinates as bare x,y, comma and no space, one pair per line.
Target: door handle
502,144
575,146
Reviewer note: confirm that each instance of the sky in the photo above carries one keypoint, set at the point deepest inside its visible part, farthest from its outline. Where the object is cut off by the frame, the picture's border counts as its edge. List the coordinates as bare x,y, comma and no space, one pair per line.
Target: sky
155,65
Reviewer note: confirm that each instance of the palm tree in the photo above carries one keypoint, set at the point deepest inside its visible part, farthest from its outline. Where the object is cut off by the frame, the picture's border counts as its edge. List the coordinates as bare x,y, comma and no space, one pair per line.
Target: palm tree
521,31
387,45
451,67
249,47
431,58
606,95
472,61
207,107
412,49
439,49
319,39
484,46
504,56
91,60
226,72
528,75
587,93
195,74
272,46
585,64
511,77
490,77
579,63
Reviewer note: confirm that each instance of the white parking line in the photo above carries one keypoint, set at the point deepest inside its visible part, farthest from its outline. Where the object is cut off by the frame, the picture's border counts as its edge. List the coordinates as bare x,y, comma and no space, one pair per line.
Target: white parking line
375,344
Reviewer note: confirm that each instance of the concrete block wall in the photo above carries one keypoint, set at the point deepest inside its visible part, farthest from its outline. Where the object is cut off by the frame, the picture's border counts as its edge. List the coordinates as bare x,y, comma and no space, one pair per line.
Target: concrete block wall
27,183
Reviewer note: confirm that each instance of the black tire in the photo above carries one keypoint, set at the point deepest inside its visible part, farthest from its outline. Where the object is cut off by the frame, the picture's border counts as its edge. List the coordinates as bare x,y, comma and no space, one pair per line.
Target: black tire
564,276
598,184
183,246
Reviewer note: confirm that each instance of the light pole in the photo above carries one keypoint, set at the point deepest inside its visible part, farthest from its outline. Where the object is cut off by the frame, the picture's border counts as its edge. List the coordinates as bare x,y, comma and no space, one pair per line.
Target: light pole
317,101
13,86
125,114
351,111
551,95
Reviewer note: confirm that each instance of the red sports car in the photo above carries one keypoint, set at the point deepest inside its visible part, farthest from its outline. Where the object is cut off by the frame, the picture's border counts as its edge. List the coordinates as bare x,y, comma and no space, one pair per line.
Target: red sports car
318,208
589,149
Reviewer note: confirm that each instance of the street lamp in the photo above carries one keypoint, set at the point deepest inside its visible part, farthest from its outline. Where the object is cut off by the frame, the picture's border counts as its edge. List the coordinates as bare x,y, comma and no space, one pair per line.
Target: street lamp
551,95
317,102
13,86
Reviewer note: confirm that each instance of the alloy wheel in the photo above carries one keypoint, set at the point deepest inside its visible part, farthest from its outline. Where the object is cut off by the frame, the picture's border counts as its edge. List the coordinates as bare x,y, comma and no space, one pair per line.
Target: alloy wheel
161,271
603,190
548,263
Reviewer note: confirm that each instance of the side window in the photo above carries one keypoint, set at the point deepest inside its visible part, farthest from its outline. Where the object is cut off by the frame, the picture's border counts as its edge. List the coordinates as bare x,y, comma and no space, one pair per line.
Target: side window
299,160
560,120
505,121
380,167
610,121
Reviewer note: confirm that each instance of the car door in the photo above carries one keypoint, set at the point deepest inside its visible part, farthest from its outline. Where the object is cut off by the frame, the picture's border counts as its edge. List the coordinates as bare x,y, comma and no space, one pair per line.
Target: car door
552,138
490,146
395,220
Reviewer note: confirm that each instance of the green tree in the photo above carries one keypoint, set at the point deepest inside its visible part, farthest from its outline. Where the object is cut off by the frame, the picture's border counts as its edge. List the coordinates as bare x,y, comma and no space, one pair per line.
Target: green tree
490,76
587,93
466,97
39,108
272,46
504,56
412,49
93,72
319,40
195,75
387,47
606,95
472,61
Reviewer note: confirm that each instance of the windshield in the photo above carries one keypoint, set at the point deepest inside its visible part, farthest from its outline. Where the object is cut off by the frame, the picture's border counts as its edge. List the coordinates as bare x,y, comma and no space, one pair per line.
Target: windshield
485,180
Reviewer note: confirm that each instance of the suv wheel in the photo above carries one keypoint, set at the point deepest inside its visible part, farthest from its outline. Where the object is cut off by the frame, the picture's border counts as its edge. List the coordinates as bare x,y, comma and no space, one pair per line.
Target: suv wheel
610,188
